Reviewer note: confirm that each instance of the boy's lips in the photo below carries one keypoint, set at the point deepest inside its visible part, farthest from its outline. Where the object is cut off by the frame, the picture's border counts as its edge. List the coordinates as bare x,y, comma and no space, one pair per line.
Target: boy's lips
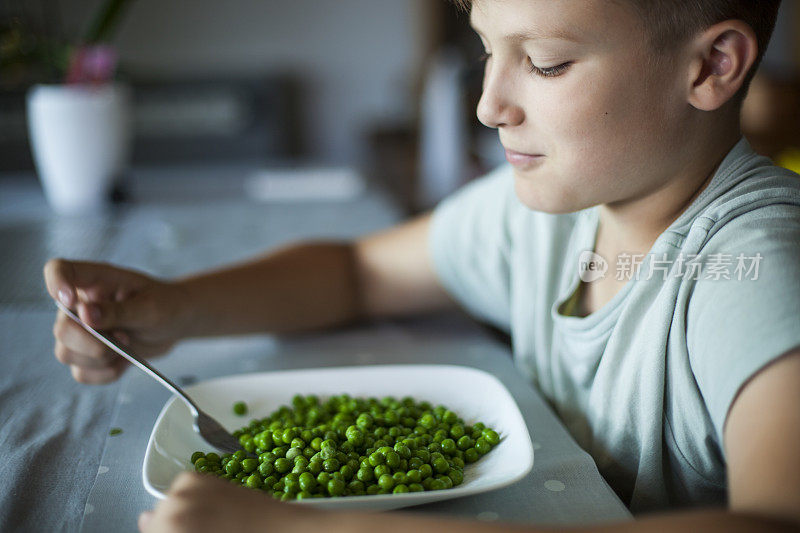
522,159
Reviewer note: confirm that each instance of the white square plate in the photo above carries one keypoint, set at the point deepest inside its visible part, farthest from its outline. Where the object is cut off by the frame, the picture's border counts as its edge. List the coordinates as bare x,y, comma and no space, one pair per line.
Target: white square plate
473,394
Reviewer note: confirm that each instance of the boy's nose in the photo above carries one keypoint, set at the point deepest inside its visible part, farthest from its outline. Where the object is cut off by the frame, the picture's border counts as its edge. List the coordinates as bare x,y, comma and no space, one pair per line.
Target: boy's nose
496,108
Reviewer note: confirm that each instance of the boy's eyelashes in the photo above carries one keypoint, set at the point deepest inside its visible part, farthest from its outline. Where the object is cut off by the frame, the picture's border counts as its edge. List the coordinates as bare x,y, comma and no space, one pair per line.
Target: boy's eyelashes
544,72
549,72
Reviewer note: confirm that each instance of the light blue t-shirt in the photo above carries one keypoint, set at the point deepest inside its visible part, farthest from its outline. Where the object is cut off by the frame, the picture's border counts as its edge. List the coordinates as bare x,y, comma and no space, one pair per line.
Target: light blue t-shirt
644,384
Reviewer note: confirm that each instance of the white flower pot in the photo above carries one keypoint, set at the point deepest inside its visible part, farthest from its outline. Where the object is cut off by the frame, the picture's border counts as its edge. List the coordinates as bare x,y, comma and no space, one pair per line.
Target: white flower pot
80,137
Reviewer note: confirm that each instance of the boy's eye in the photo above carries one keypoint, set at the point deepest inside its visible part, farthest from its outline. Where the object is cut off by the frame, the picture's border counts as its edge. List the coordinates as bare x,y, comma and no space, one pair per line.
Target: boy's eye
545,72
549,72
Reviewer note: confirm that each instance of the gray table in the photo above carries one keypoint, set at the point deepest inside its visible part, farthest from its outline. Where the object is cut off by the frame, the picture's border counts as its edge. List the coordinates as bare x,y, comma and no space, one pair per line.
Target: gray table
62,470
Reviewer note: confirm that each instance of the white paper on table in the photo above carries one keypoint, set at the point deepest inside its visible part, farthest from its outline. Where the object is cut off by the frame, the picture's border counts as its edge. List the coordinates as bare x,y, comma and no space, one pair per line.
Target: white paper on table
303,184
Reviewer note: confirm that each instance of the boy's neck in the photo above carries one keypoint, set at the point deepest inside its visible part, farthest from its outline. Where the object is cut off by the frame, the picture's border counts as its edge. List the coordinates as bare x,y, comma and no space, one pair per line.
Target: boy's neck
634,225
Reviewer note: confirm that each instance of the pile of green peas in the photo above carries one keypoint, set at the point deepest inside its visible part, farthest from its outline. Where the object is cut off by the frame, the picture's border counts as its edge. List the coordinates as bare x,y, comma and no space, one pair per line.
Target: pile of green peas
346,446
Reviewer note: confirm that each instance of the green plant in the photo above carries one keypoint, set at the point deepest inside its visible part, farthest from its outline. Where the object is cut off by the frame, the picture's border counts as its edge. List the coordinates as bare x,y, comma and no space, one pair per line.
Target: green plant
34,47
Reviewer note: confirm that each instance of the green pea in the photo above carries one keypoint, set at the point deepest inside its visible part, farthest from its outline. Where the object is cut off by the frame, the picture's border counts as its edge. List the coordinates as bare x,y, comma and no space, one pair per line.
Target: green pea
239,455
288,435
266,469
448,483
434,447
266,457
426,471
456,476
465,442
471,455
437,484
264,440
440,465
365,474
356,487
393,459
331,465
400,478
293,453
376,458
196,456
253,481
427,421
212,457
323,478
440,435
364,421
248,465
347,472
483,446
399,489
315,467
283,465
240,408
381,470
233,467
291,484
415,487
280,451
457,431
386,481
449,446
402,450
336,487
491,437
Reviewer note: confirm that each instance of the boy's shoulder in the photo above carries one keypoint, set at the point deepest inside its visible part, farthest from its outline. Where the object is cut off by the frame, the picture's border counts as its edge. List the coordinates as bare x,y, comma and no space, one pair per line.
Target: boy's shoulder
747,192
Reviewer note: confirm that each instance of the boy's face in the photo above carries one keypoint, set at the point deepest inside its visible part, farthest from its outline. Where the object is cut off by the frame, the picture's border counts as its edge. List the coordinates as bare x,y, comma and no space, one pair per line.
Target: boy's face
606,125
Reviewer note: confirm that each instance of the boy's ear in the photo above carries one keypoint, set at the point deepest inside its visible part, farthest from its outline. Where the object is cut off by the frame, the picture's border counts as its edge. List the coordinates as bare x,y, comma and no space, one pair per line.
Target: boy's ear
721,57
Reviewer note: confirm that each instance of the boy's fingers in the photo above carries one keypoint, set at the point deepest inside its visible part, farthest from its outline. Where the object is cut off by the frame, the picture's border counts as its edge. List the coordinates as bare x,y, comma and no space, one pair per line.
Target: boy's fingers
96,376
76,339
134,312
63,278
69,357
58,277
144,520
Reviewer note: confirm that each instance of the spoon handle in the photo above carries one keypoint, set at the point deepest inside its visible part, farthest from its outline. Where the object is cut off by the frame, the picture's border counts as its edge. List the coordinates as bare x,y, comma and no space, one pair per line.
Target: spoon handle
142,364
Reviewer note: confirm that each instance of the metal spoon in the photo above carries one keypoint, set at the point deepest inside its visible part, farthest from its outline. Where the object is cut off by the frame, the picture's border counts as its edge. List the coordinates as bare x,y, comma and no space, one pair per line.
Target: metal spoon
208,428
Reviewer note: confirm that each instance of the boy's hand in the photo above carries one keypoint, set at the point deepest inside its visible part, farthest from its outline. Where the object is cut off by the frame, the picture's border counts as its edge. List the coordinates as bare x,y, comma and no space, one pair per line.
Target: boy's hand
141,313
198,503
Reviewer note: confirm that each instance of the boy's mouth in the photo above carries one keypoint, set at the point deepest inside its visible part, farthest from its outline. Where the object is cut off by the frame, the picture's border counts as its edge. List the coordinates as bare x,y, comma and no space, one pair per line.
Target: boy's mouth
520,159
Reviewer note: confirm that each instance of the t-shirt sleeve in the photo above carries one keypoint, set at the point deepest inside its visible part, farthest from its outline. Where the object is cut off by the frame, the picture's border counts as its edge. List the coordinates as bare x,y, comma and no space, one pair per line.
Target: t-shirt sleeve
737,326
470,243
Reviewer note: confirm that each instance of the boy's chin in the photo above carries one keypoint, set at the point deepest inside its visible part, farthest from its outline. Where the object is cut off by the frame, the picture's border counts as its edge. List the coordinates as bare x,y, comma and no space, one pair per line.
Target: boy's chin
545,197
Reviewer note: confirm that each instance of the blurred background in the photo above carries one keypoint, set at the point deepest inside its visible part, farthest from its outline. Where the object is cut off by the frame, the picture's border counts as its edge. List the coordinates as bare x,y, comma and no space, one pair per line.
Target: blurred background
384,88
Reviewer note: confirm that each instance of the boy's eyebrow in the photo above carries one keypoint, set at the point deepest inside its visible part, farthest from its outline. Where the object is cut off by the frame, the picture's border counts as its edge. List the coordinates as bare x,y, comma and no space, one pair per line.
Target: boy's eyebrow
533,34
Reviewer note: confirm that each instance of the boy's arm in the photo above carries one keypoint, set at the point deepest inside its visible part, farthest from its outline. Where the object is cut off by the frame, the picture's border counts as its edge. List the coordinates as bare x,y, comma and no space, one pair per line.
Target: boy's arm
315,285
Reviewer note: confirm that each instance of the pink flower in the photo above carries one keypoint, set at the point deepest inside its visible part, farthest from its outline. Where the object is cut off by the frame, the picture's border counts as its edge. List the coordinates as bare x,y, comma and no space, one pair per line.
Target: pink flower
92,64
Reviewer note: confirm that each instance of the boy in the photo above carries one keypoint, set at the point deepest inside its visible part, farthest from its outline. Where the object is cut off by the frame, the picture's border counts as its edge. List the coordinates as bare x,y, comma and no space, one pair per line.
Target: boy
620,120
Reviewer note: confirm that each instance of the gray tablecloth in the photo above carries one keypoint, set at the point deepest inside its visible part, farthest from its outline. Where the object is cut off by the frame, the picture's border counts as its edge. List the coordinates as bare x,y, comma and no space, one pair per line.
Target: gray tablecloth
60,468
